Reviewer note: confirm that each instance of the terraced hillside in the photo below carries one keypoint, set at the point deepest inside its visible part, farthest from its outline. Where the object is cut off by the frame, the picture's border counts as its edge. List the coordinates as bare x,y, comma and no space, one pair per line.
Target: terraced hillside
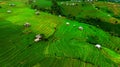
104,15
63,43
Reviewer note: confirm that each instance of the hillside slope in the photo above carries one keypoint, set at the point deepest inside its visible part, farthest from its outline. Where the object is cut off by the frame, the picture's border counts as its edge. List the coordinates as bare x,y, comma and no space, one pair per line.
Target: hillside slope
104,15
62,46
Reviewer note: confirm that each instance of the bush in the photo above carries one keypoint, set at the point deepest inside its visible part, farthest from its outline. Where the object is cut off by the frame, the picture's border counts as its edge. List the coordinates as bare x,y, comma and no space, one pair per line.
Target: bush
93,39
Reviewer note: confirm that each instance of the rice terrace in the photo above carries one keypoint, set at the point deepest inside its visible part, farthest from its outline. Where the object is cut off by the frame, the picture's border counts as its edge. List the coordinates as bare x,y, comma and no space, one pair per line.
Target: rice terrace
59,33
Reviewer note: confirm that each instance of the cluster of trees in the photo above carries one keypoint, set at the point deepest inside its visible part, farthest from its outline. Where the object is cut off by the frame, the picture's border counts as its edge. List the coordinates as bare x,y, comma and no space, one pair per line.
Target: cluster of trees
113,29
55,8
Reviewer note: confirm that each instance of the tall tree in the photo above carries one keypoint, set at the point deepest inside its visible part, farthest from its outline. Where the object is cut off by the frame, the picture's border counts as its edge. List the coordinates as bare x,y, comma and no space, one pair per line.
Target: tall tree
56,9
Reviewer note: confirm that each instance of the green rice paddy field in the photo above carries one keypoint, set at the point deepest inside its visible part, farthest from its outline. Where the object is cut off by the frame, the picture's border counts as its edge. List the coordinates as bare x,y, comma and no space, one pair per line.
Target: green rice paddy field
62,46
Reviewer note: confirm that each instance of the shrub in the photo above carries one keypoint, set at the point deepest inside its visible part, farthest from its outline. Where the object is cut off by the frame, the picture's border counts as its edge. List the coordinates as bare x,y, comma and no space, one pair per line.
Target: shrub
92,39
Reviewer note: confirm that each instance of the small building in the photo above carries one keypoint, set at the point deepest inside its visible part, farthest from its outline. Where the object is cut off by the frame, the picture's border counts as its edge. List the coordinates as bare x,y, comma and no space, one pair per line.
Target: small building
9,11
37,12
36,40
27,24
67,23
80,28
60,16
38,36
98,46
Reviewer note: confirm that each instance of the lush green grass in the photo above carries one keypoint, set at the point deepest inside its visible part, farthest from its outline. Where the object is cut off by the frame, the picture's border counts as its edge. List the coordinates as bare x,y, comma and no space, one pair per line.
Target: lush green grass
84,10
99,14
112,8
63,46
20,15
112,55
